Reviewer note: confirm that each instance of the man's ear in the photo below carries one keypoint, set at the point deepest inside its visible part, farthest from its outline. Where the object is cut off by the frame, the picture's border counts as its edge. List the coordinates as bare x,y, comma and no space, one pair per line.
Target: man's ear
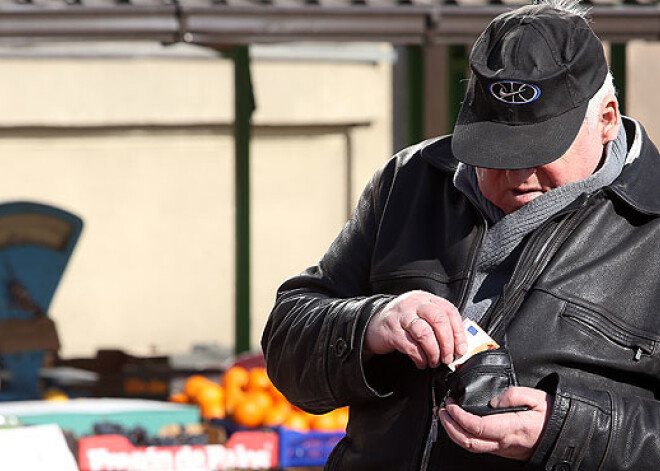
610,119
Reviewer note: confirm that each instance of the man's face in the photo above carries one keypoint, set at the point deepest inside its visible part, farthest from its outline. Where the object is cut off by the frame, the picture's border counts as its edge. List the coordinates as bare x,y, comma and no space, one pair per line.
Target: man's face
510,190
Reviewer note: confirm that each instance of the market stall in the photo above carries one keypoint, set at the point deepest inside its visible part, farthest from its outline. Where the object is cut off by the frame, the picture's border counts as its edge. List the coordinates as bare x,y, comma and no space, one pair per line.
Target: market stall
235,420
118,411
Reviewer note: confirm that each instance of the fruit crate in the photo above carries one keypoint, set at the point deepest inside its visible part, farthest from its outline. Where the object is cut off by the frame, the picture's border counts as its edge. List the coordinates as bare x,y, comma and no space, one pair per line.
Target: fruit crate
298,449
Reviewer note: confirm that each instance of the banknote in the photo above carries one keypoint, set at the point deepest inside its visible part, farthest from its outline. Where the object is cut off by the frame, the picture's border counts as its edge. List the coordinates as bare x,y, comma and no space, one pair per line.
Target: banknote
477,341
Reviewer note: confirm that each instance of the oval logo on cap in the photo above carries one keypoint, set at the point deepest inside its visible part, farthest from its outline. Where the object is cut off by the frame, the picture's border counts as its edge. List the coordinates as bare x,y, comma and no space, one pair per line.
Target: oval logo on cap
514,92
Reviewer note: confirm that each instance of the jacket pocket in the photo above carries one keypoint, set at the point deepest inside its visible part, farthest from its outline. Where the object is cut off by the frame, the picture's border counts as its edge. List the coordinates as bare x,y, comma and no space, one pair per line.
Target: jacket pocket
604,326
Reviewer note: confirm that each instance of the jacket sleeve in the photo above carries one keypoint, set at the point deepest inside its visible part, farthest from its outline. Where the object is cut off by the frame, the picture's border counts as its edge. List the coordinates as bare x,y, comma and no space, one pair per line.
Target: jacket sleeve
599,430
313,339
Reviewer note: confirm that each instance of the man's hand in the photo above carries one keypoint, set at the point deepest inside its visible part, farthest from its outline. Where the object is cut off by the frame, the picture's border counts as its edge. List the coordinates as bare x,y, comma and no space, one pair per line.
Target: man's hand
423,326
510,435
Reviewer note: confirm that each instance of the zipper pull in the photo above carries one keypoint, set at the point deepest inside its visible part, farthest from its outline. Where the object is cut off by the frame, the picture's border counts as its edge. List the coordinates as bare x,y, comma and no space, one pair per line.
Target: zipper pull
638,354
430,440
433,436
433,432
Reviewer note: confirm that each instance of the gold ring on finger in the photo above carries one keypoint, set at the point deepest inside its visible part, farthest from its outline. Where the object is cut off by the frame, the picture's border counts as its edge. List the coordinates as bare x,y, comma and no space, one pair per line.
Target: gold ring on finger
412,322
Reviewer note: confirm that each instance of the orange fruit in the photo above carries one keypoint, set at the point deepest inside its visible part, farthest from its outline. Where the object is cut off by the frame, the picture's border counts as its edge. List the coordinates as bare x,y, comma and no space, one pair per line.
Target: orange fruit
263,398
157,387
341,417
324,422
233,396
297,421
277,395
54,394
277,414
193,384
235,377
210,393
258,379
135,386
213,410
181,398
248,413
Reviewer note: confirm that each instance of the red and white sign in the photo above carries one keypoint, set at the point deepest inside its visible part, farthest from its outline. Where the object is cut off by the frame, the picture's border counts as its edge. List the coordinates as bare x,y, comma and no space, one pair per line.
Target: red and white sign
35,448
243,450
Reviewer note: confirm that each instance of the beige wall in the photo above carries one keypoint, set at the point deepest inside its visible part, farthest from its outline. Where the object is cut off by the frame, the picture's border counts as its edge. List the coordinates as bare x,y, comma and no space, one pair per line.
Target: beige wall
642,98
154,268
88,91
153,265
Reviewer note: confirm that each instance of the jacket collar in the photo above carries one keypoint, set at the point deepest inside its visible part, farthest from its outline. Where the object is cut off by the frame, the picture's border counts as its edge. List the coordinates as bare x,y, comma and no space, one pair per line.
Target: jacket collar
638,183
438,153
635,186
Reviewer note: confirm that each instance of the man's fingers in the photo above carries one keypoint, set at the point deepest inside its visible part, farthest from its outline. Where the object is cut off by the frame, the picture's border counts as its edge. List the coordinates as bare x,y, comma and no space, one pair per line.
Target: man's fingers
509,434
464,438
520,396
421,325
411,348
491,427
445,304
448,329
441,328
460,339
472,424
421,334
456,321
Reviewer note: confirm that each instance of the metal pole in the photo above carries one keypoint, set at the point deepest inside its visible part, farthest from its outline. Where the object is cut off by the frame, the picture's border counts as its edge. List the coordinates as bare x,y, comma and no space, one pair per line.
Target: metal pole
243,108
618,67
349,173
436,90
415,85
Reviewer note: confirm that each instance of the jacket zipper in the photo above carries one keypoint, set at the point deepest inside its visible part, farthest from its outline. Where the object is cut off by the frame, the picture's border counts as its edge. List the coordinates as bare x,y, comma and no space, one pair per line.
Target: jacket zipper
564,227
432,435
462,300
533,261
531,247
433,432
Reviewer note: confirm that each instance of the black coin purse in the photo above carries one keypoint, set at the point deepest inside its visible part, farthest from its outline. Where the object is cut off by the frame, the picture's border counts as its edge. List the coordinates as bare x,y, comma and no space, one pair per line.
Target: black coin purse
484,376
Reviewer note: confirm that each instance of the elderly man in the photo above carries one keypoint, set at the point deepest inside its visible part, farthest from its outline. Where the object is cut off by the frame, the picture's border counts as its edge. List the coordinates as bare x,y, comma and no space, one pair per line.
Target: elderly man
537,220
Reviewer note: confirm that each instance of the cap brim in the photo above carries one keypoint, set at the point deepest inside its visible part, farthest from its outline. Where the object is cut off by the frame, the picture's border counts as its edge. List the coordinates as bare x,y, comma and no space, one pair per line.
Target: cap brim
490,144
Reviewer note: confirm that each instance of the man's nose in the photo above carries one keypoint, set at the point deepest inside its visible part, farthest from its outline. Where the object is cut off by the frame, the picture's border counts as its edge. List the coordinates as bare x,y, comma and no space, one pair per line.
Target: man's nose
518,176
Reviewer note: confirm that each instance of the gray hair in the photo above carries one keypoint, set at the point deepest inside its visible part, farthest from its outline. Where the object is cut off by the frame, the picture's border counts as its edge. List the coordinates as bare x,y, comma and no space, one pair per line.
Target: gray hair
572,7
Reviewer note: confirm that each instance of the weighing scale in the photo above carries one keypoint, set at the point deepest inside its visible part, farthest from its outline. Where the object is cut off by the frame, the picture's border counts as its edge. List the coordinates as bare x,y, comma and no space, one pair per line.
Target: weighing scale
36,242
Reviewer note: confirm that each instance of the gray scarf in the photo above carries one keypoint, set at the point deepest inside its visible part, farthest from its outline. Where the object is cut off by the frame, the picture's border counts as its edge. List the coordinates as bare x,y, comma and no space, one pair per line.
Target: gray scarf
502,245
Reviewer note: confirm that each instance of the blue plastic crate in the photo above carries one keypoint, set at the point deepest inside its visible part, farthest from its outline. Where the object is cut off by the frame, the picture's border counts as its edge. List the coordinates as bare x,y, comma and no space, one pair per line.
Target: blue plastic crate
306,448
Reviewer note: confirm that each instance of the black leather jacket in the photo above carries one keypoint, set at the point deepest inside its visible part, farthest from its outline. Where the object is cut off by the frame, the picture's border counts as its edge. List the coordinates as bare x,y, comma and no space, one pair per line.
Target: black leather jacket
588,327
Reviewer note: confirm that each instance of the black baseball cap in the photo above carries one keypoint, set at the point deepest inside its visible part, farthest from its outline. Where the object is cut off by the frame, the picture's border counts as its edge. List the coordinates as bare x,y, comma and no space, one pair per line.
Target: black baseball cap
534,70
